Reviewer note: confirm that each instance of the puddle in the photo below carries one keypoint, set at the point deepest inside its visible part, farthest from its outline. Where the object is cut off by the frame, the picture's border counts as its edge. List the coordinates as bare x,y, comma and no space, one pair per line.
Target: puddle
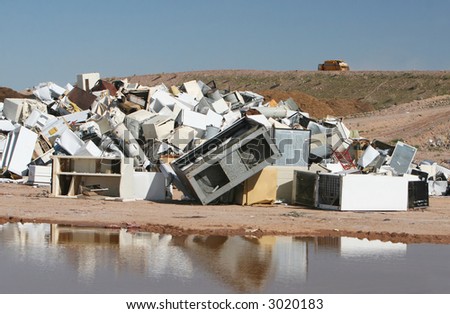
43,258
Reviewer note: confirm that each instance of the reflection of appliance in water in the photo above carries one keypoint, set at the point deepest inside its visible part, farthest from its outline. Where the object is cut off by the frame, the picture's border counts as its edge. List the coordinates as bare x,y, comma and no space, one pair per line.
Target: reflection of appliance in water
60,234
354,248
247,263
149,253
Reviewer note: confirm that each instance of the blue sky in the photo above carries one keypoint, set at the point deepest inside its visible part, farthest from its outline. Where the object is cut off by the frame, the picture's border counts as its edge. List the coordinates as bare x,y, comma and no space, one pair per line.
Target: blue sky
56,40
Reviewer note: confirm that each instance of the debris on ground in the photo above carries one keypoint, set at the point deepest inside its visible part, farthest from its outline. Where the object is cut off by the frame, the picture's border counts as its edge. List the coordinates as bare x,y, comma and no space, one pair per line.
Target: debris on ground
125,141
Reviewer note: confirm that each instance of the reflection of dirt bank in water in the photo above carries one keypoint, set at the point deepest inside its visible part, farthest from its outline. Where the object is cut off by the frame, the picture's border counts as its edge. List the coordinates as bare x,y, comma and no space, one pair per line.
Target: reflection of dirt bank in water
20,203
383,236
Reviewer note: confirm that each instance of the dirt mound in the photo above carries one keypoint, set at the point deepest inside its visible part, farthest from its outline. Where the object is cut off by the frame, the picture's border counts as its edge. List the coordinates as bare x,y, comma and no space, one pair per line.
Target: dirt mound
315,107
345,107
6,92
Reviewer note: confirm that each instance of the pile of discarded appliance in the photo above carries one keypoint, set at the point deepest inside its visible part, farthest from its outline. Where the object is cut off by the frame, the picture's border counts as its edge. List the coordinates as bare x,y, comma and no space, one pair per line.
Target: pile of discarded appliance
121,140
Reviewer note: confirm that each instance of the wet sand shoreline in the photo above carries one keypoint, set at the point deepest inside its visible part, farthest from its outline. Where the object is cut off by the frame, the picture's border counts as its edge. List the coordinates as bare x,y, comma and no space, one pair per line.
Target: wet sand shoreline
22,203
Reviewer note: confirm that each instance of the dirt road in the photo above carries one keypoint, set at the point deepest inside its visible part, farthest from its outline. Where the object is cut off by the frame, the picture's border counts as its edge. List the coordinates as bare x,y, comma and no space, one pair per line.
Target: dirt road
28,204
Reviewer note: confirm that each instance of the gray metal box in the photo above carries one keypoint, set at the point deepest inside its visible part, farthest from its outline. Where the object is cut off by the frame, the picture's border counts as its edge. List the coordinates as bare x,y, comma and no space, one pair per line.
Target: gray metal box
226,160
293,145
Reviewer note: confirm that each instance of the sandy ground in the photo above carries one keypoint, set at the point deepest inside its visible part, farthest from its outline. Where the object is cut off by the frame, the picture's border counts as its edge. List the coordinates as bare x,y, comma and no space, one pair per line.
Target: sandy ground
28,204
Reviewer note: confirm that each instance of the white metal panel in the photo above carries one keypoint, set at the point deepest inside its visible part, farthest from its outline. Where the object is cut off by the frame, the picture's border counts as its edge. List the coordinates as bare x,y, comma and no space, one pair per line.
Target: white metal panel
89,149
193,119
293,145
214,119
368,156
158,127
44,94
231,117
182,136
149,186
57,89
6,126
188,99
69,141
40,175
54,128
12,109
87,80
8,149
261,119
220,106
79,116
164,99
19,150
38,119
193,89
374,193
140,115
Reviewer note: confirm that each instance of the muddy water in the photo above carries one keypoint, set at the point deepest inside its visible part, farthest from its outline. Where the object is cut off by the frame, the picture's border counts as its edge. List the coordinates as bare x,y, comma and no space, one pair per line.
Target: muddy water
42,258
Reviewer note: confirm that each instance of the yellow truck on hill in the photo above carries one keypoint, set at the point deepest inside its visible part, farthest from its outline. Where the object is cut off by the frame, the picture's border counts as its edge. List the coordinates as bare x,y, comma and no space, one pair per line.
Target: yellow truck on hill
334,65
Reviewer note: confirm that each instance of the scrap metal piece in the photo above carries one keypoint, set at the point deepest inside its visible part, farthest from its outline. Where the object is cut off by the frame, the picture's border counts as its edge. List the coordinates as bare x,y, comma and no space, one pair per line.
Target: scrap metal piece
86,81
101,85
293,145
130,145
402,158
40,175
304,188
18,109
157,127
38,120
81,98
18,151
369,155
69,141
355,192
135,120
418,194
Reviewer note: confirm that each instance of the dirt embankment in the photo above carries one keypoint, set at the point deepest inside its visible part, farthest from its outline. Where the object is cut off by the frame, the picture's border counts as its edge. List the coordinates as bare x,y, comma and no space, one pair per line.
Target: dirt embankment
6,92
316,107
